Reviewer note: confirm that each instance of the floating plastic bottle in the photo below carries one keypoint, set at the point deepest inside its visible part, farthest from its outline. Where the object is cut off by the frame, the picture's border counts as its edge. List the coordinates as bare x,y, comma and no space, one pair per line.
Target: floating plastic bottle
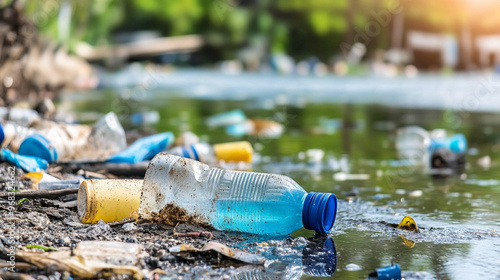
178,189
144,148
229,152
412,144
417,146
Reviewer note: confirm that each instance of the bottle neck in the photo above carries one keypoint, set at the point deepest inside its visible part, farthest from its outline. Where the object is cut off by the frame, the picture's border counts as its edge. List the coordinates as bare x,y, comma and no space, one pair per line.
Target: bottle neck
319,211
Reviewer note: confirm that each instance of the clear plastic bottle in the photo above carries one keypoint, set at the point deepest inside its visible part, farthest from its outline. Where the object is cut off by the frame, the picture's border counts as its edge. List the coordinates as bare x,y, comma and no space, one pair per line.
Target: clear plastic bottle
12,135
178,189
63,142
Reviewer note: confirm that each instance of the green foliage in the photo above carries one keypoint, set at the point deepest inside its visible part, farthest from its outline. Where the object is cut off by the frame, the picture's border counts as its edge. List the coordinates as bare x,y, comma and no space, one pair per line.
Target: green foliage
297,27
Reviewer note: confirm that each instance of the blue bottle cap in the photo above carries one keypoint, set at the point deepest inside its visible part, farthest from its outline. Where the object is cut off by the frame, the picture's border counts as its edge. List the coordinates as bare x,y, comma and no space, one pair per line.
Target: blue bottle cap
38,146
2,134
319,211
458,143
392,272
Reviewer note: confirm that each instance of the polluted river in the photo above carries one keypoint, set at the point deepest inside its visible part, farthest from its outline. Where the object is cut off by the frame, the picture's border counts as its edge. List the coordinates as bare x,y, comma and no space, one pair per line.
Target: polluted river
339,136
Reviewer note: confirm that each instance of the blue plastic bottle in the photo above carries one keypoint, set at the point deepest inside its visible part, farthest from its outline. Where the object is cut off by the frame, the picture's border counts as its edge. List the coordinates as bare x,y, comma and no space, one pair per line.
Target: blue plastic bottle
177,189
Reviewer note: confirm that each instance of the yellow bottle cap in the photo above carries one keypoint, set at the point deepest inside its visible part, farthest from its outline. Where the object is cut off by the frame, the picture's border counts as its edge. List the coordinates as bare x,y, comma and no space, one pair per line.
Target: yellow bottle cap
108,200
234,151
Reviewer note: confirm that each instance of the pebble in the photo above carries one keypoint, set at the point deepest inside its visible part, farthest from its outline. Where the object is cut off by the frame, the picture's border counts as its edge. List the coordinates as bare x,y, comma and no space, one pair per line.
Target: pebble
129,227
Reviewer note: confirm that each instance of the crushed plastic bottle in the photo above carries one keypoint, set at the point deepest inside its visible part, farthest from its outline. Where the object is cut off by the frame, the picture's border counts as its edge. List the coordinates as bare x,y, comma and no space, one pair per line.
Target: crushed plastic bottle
12,135
63,142
229,152
177,189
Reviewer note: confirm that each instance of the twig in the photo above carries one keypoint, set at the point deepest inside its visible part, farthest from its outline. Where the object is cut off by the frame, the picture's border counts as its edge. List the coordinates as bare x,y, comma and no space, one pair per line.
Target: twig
38,193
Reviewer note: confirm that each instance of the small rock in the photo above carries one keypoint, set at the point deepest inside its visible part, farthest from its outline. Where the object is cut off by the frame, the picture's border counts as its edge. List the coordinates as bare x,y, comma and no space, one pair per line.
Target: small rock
129,227
39,220
300,241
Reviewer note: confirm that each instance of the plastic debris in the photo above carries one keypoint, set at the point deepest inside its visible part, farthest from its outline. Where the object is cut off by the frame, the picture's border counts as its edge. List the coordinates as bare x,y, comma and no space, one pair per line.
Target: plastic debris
222,249
408,243
12,135
352,267
90,259
187,139
408,223
229,152
439,154
144,149
256,127
20,116
341,176
63,142
27,163
145,118
182,190
108,200
392,272
226,118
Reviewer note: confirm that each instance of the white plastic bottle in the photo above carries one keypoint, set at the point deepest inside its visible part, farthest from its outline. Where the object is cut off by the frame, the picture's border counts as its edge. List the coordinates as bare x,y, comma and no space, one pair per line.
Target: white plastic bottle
178,189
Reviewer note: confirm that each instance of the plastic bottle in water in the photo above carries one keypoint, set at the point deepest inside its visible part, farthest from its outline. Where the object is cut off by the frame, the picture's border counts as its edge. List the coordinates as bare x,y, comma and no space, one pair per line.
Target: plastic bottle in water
230,152
178,189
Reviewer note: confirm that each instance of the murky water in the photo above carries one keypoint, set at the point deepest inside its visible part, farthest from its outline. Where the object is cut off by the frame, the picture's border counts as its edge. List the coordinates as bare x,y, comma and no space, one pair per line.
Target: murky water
347,119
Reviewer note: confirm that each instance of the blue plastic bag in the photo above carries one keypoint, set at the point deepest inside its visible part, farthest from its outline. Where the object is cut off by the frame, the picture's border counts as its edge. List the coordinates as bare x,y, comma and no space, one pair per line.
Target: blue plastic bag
144,148
27,163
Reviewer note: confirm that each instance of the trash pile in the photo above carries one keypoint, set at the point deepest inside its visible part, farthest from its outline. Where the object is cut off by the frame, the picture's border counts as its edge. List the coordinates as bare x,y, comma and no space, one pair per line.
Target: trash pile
98,207
88,223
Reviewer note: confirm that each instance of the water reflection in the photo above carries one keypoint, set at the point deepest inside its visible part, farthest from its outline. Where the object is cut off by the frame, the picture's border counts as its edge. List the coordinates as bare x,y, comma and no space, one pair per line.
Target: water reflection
318,258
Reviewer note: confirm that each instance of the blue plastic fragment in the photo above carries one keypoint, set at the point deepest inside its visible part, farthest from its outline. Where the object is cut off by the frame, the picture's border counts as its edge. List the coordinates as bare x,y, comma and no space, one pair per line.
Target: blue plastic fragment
27,163
392,272
144,148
